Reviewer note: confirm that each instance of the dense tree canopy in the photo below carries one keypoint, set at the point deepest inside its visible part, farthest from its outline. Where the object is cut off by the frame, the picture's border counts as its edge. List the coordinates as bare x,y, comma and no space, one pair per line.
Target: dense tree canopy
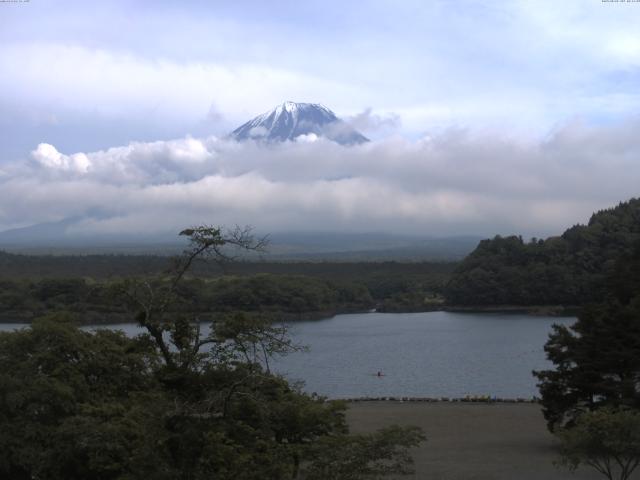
597,360
567,270
606,440
292,295
292,291
173,403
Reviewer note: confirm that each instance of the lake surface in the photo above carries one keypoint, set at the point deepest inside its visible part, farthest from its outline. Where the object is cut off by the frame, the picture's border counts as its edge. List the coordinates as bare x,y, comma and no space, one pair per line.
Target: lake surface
430,354
421,354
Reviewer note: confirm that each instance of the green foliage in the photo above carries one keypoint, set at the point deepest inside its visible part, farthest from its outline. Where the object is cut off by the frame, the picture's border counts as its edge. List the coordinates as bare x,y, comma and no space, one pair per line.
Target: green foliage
364,456
54,379
566,270
172,403
31,285
293,296
597,360
102,267
77,405
285,293
606,440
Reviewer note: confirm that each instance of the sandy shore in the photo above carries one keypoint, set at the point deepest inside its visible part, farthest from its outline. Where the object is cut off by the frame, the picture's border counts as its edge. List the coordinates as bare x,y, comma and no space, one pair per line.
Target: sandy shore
472,441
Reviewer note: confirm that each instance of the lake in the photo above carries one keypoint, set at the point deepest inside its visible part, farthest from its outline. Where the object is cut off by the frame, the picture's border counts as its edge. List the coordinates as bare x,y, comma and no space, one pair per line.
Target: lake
429,354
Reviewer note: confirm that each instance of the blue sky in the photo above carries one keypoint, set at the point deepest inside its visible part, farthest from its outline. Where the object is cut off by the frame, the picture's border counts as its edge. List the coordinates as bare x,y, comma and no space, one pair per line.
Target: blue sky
91,76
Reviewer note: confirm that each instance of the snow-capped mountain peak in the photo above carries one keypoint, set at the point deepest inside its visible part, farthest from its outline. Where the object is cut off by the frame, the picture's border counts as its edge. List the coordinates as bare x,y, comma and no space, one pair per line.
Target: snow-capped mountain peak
290,120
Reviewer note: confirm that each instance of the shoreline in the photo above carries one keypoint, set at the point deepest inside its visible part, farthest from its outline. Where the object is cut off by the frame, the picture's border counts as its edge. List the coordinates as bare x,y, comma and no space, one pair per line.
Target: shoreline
470,399
115,318
533,310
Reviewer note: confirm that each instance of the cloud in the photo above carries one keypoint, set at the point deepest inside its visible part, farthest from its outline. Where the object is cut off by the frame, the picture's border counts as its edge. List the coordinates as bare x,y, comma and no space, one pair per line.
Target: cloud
83,82
74,79
138,163
47,156
214,115
258,131
453,182
86,81
307,138
367,121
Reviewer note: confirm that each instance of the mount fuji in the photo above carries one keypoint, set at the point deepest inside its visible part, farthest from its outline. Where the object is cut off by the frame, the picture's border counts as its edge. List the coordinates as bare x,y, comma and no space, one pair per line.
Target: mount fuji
292,120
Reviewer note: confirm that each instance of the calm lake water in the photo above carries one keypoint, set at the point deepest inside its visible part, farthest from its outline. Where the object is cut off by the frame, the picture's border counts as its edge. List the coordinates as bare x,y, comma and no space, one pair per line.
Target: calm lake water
420,354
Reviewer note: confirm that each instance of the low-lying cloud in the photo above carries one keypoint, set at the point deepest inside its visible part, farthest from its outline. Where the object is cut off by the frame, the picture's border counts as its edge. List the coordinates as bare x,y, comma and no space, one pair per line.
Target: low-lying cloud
456,182
371,122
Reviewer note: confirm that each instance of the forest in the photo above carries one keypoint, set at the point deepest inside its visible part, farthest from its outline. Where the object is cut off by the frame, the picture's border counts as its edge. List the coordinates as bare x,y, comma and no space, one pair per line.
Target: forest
197,406
172,403
33,285
570,269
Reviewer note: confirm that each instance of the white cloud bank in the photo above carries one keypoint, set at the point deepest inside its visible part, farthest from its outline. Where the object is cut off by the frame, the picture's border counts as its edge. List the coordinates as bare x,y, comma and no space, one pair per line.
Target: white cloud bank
456,182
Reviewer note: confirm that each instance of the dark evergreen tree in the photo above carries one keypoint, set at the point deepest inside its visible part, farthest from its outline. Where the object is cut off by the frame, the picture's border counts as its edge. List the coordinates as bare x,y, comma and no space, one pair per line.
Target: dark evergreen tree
597,360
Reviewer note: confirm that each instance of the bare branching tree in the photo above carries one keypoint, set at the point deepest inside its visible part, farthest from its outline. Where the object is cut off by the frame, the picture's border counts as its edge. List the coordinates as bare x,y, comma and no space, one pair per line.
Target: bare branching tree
178,336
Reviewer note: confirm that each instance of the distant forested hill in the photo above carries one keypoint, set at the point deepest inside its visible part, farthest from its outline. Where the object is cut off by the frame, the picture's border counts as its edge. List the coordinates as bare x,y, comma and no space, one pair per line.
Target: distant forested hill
567,270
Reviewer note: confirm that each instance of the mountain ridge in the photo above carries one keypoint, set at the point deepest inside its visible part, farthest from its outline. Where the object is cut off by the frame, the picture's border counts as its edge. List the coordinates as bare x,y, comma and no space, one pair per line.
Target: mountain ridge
64,237
292,120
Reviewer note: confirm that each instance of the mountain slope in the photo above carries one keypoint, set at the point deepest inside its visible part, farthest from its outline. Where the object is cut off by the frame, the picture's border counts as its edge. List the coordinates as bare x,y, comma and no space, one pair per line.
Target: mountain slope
292,120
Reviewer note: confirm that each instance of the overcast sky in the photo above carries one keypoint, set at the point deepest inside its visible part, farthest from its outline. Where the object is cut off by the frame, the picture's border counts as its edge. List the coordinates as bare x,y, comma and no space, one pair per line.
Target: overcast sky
486,116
